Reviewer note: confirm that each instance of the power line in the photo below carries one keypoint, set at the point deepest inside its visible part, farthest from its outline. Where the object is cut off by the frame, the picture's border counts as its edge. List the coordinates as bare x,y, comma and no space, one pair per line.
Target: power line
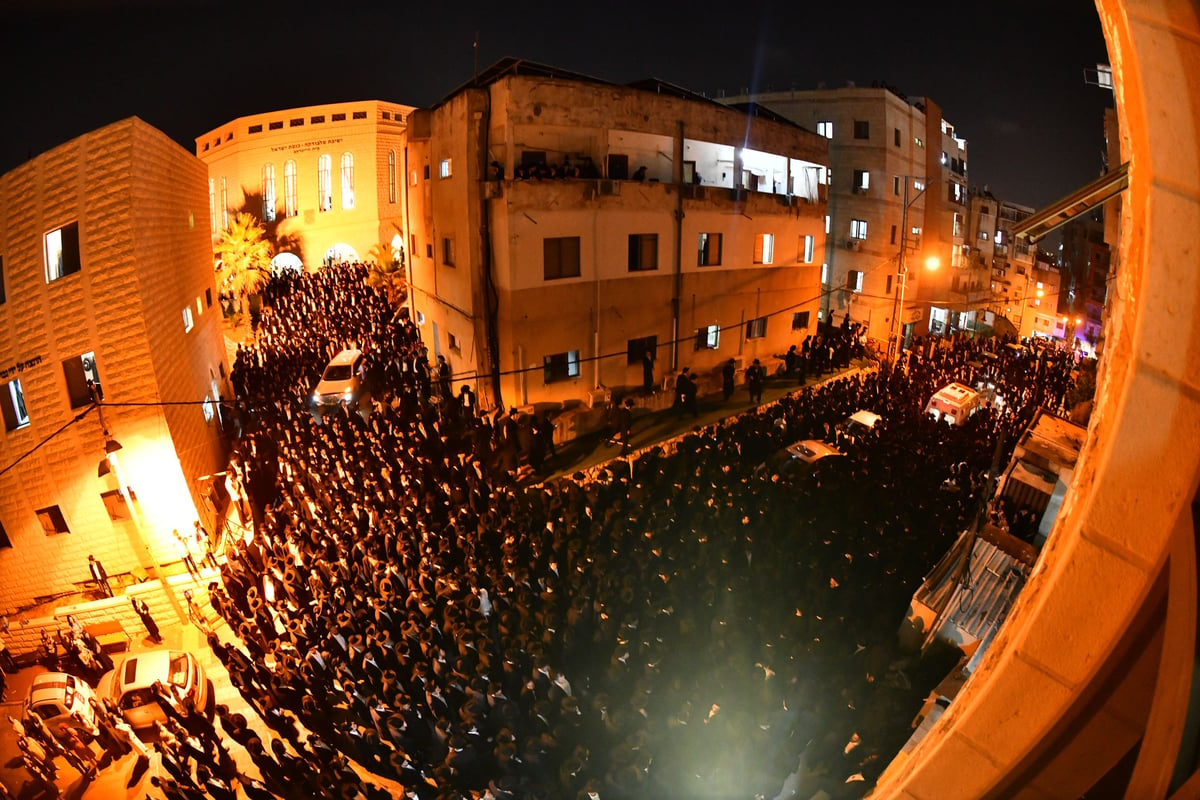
46,440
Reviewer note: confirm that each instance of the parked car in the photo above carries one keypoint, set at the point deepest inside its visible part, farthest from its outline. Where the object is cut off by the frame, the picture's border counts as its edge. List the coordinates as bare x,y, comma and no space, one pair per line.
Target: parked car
130,685
343,383
858,423
57,696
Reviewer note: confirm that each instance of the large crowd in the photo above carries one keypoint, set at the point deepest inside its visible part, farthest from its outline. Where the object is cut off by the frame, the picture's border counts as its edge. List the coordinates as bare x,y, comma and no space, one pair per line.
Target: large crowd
686,624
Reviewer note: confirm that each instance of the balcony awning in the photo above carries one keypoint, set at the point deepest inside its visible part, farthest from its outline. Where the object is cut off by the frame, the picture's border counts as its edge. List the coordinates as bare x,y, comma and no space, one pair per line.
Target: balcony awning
1078,202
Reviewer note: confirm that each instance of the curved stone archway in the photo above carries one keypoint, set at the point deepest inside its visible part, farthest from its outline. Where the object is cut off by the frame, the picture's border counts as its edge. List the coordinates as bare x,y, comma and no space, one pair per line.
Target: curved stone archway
1094,667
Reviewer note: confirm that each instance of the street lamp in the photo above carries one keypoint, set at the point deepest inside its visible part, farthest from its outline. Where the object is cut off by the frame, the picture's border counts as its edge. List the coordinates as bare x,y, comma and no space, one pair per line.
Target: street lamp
137,538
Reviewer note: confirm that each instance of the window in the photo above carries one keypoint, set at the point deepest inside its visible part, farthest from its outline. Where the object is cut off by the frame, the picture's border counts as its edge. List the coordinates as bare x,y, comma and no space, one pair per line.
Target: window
81,375
826,224
426,172
918,141
413,179
391,176
561,366
447,251
708,338
893,239
756,328
296,123
862,129
268,192
560,257
858,229
187,319
359,115
12,404
709,247
2,297
453,342
347,181
824,274
317,120
325,183
888,290
764,248
916,231
52,521
62,252
956,193
115,505
862,180
918,185
208,298
638,347
444,168
337,118
212,205
999,237
275,126
983,236
958,224
618,167
799,320
4,541
224,204
945,158
429,249
825,129
896,185
854,280
896,136
643,252
289,188
809,248
254,129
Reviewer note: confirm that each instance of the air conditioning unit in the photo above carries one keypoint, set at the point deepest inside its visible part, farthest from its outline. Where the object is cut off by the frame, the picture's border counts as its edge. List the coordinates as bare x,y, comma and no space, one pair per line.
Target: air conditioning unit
854,244
598,398
610,187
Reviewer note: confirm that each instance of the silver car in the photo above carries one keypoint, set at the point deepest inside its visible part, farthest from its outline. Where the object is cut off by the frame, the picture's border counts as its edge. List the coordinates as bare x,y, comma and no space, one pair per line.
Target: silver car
133,680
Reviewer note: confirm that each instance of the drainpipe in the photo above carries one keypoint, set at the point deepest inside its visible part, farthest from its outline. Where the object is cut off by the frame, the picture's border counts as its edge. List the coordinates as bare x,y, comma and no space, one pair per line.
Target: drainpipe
677,278
408,262
491,299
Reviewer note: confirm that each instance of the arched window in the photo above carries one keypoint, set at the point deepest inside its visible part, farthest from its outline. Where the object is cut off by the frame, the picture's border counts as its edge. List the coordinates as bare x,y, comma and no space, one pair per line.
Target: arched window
391,176
289,188
347,180
325,183
268,192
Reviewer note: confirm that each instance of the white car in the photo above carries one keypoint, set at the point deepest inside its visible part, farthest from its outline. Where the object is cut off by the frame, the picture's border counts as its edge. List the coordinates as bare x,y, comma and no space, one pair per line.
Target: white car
130,685
57,696
342,383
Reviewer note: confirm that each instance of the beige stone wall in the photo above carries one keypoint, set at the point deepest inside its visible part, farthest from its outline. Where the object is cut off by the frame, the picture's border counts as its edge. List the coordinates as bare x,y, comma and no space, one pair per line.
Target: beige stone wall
137,198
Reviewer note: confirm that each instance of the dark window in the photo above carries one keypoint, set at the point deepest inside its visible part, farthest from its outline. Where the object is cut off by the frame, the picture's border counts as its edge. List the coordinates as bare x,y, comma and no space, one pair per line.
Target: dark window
429,250
893,234
4,541
756,328
296,123
862,180
81,375
338,117
447,251
12,405
561,366
639,346
618,167
533,158
360,115
888,290
862,129
2,296
62,252
275,126
799,320
896,136
426,172
317,120
560,257
710,250
643,252
52,521
115,505
254,129
208,298
708,338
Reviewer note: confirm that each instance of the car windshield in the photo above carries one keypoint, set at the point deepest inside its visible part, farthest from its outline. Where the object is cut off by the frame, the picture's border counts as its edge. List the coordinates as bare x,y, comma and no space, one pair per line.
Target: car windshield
136,698
338,372
48,710
179,670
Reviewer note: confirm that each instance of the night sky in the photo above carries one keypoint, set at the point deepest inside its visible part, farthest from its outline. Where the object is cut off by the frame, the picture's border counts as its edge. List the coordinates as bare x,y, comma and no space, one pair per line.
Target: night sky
1009,77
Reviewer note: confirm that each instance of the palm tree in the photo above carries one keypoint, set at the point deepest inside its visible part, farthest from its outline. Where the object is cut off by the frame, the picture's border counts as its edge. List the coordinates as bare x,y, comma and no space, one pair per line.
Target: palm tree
385,268
243,258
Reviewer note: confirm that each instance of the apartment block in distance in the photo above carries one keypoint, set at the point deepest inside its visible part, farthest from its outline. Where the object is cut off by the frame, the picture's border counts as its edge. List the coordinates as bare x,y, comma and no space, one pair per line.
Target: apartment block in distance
898,183
325,180
561,227
106,282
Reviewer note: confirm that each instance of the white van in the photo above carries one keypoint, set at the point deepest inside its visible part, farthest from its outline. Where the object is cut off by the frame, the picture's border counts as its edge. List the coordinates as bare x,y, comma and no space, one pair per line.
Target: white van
956,403
57,696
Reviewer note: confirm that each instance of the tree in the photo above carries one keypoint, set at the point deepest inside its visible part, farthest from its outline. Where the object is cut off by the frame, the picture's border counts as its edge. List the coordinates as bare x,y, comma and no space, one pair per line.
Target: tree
385,268
244,258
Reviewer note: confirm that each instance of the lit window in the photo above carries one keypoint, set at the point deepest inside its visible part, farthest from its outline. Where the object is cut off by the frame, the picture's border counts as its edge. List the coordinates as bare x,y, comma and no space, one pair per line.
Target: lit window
919,185
825,129
826,224
444,170
212,204
413,178
764,248
224,204
709,254
643,252
825,274
268,192
958,224
999,237
862,180
391,176
809,248
1039,285
858,229
62,252
945,158
12,404
916,230
983,236
560,257
347,181
918,141
708,338
187,319
854,280
325,183
561,366
289,189
756,328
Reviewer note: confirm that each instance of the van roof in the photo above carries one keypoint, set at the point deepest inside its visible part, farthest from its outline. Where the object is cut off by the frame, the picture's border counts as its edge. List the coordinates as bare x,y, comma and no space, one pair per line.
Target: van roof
49,685
866,418
955,394
345,357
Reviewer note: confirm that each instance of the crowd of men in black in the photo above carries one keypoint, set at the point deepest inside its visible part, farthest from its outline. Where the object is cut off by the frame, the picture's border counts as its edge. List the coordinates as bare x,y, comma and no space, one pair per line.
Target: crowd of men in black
686,625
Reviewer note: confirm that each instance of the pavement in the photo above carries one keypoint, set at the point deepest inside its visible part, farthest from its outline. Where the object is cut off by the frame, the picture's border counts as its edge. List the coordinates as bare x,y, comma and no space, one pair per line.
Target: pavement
651,426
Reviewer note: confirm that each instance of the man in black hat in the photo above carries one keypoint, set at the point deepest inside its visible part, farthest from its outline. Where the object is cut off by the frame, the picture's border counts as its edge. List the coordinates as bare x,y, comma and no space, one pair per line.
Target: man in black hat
99,576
